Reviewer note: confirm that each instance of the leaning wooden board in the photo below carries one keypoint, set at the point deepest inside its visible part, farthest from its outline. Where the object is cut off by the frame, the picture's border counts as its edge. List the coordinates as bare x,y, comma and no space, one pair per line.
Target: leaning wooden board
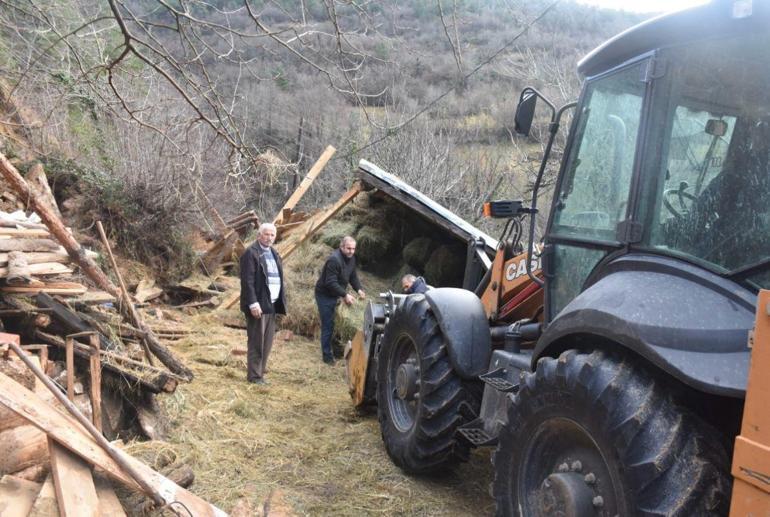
68,433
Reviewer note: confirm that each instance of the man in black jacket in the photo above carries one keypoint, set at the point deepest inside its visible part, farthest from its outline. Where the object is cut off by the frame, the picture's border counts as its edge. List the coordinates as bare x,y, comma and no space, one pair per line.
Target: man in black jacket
338,271
262,297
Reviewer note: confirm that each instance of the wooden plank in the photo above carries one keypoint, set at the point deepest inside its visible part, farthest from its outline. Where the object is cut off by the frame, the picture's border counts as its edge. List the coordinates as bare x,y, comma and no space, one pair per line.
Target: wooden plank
312,174
95,369
29,245
67,432
109,505
26,232
45,505
69,355
17,496
45,268
75,490
49,289
39,257
285,248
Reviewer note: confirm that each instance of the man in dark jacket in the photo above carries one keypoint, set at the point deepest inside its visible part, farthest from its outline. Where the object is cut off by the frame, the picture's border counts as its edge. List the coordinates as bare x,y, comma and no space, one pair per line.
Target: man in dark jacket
262,297
338,271
414,284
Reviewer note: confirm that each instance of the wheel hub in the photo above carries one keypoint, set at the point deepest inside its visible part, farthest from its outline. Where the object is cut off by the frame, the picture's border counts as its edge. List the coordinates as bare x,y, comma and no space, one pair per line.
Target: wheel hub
406,381
565,494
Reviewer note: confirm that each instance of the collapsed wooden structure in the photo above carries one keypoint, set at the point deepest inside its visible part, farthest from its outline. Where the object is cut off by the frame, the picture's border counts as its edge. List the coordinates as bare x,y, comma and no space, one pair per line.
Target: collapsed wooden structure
89,342
52,446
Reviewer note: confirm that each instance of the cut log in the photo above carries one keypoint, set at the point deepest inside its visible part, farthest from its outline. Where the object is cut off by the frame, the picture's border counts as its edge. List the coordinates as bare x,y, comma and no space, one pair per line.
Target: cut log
46,245
17,496
45,504
22,447
67,432
17,272
75,490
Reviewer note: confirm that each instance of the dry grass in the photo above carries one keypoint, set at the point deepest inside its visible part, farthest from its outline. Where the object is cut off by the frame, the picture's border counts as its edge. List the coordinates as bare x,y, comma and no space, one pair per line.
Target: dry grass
300,434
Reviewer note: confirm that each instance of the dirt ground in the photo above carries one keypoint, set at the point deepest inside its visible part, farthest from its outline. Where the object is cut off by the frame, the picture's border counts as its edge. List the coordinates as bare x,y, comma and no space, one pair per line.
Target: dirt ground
300,434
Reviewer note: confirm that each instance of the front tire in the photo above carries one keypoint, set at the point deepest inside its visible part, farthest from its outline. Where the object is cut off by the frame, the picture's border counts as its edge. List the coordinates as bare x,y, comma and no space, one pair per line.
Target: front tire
592,434
421,401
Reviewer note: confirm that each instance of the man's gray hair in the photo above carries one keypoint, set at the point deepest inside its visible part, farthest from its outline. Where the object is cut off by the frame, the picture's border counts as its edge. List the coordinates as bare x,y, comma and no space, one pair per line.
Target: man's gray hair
345,239
409,278
267,226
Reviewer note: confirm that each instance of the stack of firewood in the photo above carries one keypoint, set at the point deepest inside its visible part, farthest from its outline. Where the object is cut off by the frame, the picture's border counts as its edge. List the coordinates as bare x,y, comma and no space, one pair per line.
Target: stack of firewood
31,261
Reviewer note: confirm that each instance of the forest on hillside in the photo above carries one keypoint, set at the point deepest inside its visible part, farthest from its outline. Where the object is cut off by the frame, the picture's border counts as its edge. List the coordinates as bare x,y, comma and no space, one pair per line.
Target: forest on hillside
145,112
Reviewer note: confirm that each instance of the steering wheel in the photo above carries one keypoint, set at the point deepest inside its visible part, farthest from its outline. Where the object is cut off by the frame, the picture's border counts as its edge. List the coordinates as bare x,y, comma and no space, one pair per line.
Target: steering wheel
681,195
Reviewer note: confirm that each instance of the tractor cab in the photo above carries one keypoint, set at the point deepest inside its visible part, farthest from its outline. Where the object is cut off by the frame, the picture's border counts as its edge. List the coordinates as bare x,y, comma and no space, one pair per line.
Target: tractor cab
668,156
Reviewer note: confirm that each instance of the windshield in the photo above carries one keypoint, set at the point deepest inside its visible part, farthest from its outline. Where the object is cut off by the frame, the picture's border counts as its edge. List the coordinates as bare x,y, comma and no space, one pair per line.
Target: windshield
713,203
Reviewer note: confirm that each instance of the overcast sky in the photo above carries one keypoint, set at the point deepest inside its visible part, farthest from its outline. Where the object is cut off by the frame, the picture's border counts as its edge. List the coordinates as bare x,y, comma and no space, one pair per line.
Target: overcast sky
644,6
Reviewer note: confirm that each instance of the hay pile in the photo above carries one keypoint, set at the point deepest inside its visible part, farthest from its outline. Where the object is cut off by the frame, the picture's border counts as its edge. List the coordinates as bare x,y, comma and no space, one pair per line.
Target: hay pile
299,434
391,242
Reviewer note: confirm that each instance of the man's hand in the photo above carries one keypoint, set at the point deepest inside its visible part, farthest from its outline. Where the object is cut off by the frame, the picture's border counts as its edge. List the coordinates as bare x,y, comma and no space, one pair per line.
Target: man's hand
348,299
361,294
256,312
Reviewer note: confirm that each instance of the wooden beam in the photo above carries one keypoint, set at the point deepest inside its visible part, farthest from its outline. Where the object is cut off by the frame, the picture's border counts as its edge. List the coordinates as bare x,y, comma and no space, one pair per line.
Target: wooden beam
46,288
26,232
75,490
17,496
285,248
67,432
69,354
54,224
39,257
95,369
314,171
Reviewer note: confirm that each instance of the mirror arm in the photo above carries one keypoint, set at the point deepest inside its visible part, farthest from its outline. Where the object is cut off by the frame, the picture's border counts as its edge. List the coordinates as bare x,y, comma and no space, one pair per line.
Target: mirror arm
553,128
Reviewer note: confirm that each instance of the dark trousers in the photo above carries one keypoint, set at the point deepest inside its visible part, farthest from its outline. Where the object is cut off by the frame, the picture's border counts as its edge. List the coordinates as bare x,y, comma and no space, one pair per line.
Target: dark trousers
260,334
326,307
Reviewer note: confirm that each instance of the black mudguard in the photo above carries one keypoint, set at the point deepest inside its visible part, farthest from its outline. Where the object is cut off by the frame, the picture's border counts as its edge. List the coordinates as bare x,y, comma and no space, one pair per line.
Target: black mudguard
690,323
464,325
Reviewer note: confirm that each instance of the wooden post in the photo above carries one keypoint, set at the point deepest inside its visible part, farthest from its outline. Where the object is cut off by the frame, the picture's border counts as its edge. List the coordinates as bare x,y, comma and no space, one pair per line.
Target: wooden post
96,381
54,224
124,296
69,345
314,171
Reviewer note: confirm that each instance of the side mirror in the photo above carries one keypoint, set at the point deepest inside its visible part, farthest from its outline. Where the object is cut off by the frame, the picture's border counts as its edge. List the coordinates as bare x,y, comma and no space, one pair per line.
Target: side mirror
525,111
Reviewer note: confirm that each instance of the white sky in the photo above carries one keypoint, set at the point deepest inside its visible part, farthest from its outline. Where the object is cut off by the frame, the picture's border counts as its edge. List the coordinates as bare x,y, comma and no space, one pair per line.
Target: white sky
644,6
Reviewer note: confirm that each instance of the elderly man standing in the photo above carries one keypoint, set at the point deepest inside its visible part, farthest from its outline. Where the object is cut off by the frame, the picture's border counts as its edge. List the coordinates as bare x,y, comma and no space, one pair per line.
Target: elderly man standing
338,271
262,297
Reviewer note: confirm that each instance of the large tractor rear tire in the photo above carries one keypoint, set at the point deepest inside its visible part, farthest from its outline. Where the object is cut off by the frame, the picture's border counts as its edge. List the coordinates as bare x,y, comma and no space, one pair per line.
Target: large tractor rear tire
592,434
421,401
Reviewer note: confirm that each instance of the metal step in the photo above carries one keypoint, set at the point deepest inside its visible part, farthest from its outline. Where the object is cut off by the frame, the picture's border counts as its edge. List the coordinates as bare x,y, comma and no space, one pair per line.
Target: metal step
474,432
498,380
